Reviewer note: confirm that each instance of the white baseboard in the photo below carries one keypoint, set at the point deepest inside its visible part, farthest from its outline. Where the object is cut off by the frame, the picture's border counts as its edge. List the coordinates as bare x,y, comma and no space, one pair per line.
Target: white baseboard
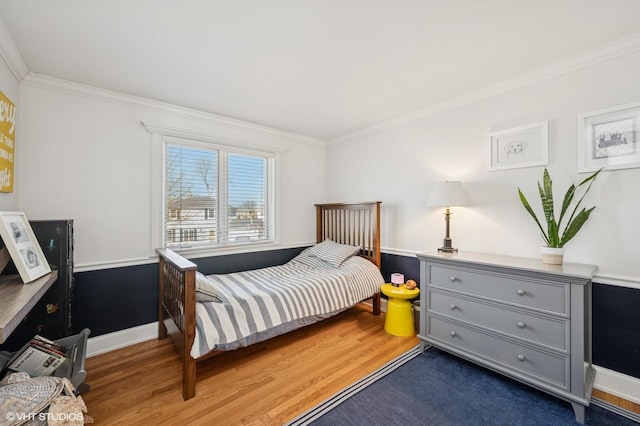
383,304
618,384
121,339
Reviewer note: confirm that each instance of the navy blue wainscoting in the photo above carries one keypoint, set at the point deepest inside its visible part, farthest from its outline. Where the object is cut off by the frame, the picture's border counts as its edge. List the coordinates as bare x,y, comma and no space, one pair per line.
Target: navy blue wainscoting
109,300
245,261
616,328
406,265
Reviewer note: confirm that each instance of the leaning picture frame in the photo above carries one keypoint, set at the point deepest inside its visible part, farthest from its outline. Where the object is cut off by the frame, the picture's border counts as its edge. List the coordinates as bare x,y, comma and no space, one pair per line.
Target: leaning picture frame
609,138
22,245
518,147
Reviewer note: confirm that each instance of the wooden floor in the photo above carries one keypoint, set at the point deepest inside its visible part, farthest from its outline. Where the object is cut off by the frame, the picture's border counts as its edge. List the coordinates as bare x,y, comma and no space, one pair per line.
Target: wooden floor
264,384
614,400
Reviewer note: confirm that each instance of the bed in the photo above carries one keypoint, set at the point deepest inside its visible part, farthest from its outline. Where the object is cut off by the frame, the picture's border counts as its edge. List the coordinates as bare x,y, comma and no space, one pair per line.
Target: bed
205,315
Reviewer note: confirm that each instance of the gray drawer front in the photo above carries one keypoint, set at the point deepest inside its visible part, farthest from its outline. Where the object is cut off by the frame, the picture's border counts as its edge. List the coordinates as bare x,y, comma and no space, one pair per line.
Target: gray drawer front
551,332
537,364
542,295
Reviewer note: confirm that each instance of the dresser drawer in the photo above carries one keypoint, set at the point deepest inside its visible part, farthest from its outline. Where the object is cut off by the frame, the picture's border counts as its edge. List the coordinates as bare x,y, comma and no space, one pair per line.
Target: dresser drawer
545,296
540,365
553,333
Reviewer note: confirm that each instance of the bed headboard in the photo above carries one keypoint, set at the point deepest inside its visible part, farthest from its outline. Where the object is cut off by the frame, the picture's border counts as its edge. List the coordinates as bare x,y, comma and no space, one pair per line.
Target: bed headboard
356,224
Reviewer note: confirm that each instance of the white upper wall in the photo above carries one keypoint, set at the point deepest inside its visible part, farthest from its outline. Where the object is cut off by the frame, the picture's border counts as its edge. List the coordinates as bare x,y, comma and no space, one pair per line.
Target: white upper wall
398,165
85,155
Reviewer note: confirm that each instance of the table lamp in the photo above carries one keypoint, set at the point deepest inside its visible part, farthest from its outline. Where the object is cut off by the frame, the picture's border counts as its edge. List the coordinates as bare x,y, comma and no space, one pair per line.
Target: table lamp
447,194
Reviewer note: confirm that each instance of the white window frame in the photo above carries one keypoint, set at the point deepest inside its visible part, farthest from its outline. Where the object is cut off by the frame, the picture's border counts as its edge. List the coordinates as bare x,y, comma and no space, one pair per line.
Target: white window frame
163,134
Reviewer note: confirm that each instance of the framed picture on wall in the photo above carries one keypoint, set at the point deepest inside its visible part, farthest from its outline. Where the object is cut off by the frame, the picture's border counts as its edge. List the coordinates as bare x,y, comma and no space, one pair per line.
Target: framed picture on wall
524,146
608,138
23,247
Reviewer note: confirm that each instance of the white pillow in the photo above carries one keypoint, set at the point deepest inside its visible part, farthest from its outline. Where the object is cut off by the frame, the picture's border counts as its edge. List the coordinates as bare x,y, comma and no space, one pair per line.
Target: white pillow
333,253
205,289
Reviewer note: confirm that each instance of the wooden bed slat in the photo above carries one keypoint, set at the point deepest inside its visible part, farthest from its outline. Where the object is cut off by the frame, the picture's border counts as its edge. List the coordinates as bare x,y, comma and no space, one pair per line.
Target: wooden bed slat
354,224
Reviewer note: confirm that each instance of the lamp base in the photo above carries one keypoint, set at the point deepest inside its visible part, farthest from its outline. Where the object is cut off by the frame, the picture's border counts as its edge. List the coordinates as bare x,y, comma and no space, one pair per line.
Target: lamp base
448,250
447,242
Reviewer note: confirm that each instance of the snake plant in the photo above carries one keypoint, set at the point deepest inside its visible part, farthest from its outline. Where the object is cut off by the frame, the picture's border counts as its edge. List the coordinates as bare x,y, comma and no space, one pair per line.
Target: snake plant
553,236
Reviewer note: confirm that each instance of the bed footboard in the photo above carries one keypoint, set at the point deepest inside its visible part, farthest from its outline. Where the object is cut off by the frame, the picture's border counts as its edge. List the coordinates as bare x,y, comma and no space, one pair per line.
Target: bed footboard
177,311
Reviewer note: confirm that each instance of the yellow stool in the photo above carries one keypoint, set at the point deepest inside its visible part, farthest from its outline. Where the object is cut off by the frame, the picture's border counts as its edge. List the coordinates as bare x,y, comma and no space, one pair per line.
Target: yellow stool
399,320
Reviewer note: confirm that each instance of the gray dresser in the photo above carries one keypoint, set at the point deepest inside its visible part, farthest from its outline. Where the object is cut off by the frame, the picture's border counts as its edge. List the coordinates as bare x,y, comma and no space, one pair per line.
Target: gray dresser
517,316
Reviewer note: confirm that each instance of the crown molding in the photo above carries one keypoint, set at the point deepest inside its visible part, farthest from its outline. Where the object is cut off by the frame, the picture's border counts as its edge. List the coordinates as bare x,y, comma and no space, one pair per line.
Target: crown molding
77,89
11,55
621,47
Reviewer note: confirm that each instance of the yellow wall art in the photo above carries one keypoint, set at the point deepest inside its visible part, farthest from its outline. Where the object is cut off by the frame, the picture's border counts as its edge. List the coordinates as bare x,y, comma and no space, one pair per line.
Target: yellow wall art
7,142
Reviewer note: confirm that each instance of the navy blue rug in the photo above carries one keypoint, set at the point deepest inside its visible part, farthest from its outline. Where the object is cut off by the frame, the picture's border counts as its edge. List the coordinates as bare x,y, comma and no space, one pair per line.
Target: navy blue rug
436,388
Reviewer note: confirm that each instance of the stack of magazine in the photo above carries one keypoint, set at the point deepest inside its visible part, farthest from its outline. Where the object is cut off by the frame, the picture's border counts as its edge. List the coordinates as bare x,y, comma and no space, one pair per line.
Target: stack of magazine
39,357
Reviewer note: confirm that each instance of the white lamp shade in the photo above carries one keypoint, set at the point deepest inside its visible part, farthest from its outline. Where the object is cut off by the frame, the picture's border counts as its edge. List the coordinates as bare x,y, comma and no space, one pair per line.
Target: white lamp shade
447,194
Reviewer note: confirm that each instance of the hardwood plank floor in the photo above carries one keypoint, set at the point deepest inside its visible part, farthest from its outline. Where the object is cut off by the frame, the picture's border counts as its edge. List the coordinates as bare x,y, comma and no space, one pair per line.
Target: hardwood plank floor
264,384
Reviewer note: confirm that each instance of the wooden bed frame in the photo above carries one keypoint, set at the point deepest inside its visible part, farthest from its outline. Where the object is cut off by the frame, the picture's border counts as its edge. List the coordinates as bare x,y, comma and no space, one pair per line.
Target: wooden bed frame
347,223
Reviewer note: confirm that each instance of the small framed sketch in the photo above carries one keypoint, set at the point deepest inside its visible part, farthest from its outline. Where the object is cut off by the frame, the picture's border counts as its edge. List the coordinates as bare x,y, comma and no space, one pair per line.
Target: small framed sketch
524,146
609,138
21,242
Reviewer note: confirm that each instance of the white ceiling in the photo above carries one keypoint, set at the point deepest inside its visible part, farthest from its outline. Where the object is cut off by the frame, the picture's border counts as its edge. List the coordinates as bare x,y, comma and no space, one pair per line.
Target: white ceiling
320,68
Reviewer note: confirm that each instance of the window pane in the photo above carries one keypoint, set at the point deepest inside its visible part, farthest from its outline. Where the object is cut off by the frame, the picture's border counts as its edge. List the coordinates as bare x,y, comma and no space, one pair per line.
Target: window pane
217,197
191,196
248,203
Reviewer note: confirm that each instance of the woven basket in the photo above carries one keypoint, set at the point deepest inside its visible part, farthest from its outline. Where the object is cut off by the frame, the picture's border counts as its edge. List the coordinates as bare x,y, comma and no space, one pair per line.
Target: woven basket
19,401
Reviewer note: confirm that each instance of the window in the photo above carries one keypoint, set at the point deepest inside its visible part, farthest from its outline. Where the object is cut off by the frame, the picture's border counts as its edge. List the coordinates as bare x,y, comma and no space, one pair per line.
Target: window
216,195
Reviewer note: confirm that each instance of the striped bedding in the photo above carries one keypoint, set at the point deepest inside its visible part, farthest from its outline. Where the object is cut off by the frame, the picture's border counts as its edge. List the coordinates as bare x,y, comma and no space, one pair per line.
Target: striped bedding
263,303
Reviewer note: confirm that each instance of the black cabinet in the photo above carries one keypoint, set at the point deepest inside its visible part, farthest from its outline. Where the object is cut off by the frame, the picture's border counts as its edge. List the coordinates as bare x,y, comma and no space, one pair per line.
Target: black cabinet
52,317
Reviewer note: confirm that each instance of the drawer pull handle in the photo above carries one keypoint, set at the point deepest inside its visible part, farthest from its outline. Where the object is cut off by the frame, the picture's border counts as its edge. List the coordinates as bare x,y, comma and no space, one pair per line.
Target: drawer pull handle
453,307
453,334
453,279
521,357
521,292
521,324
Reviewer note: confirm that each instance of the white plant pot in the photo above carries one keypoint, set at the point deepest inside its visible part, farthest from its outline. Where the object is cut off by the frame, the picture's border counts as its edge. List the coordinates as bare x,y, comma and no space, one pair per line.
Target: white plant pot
552,255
